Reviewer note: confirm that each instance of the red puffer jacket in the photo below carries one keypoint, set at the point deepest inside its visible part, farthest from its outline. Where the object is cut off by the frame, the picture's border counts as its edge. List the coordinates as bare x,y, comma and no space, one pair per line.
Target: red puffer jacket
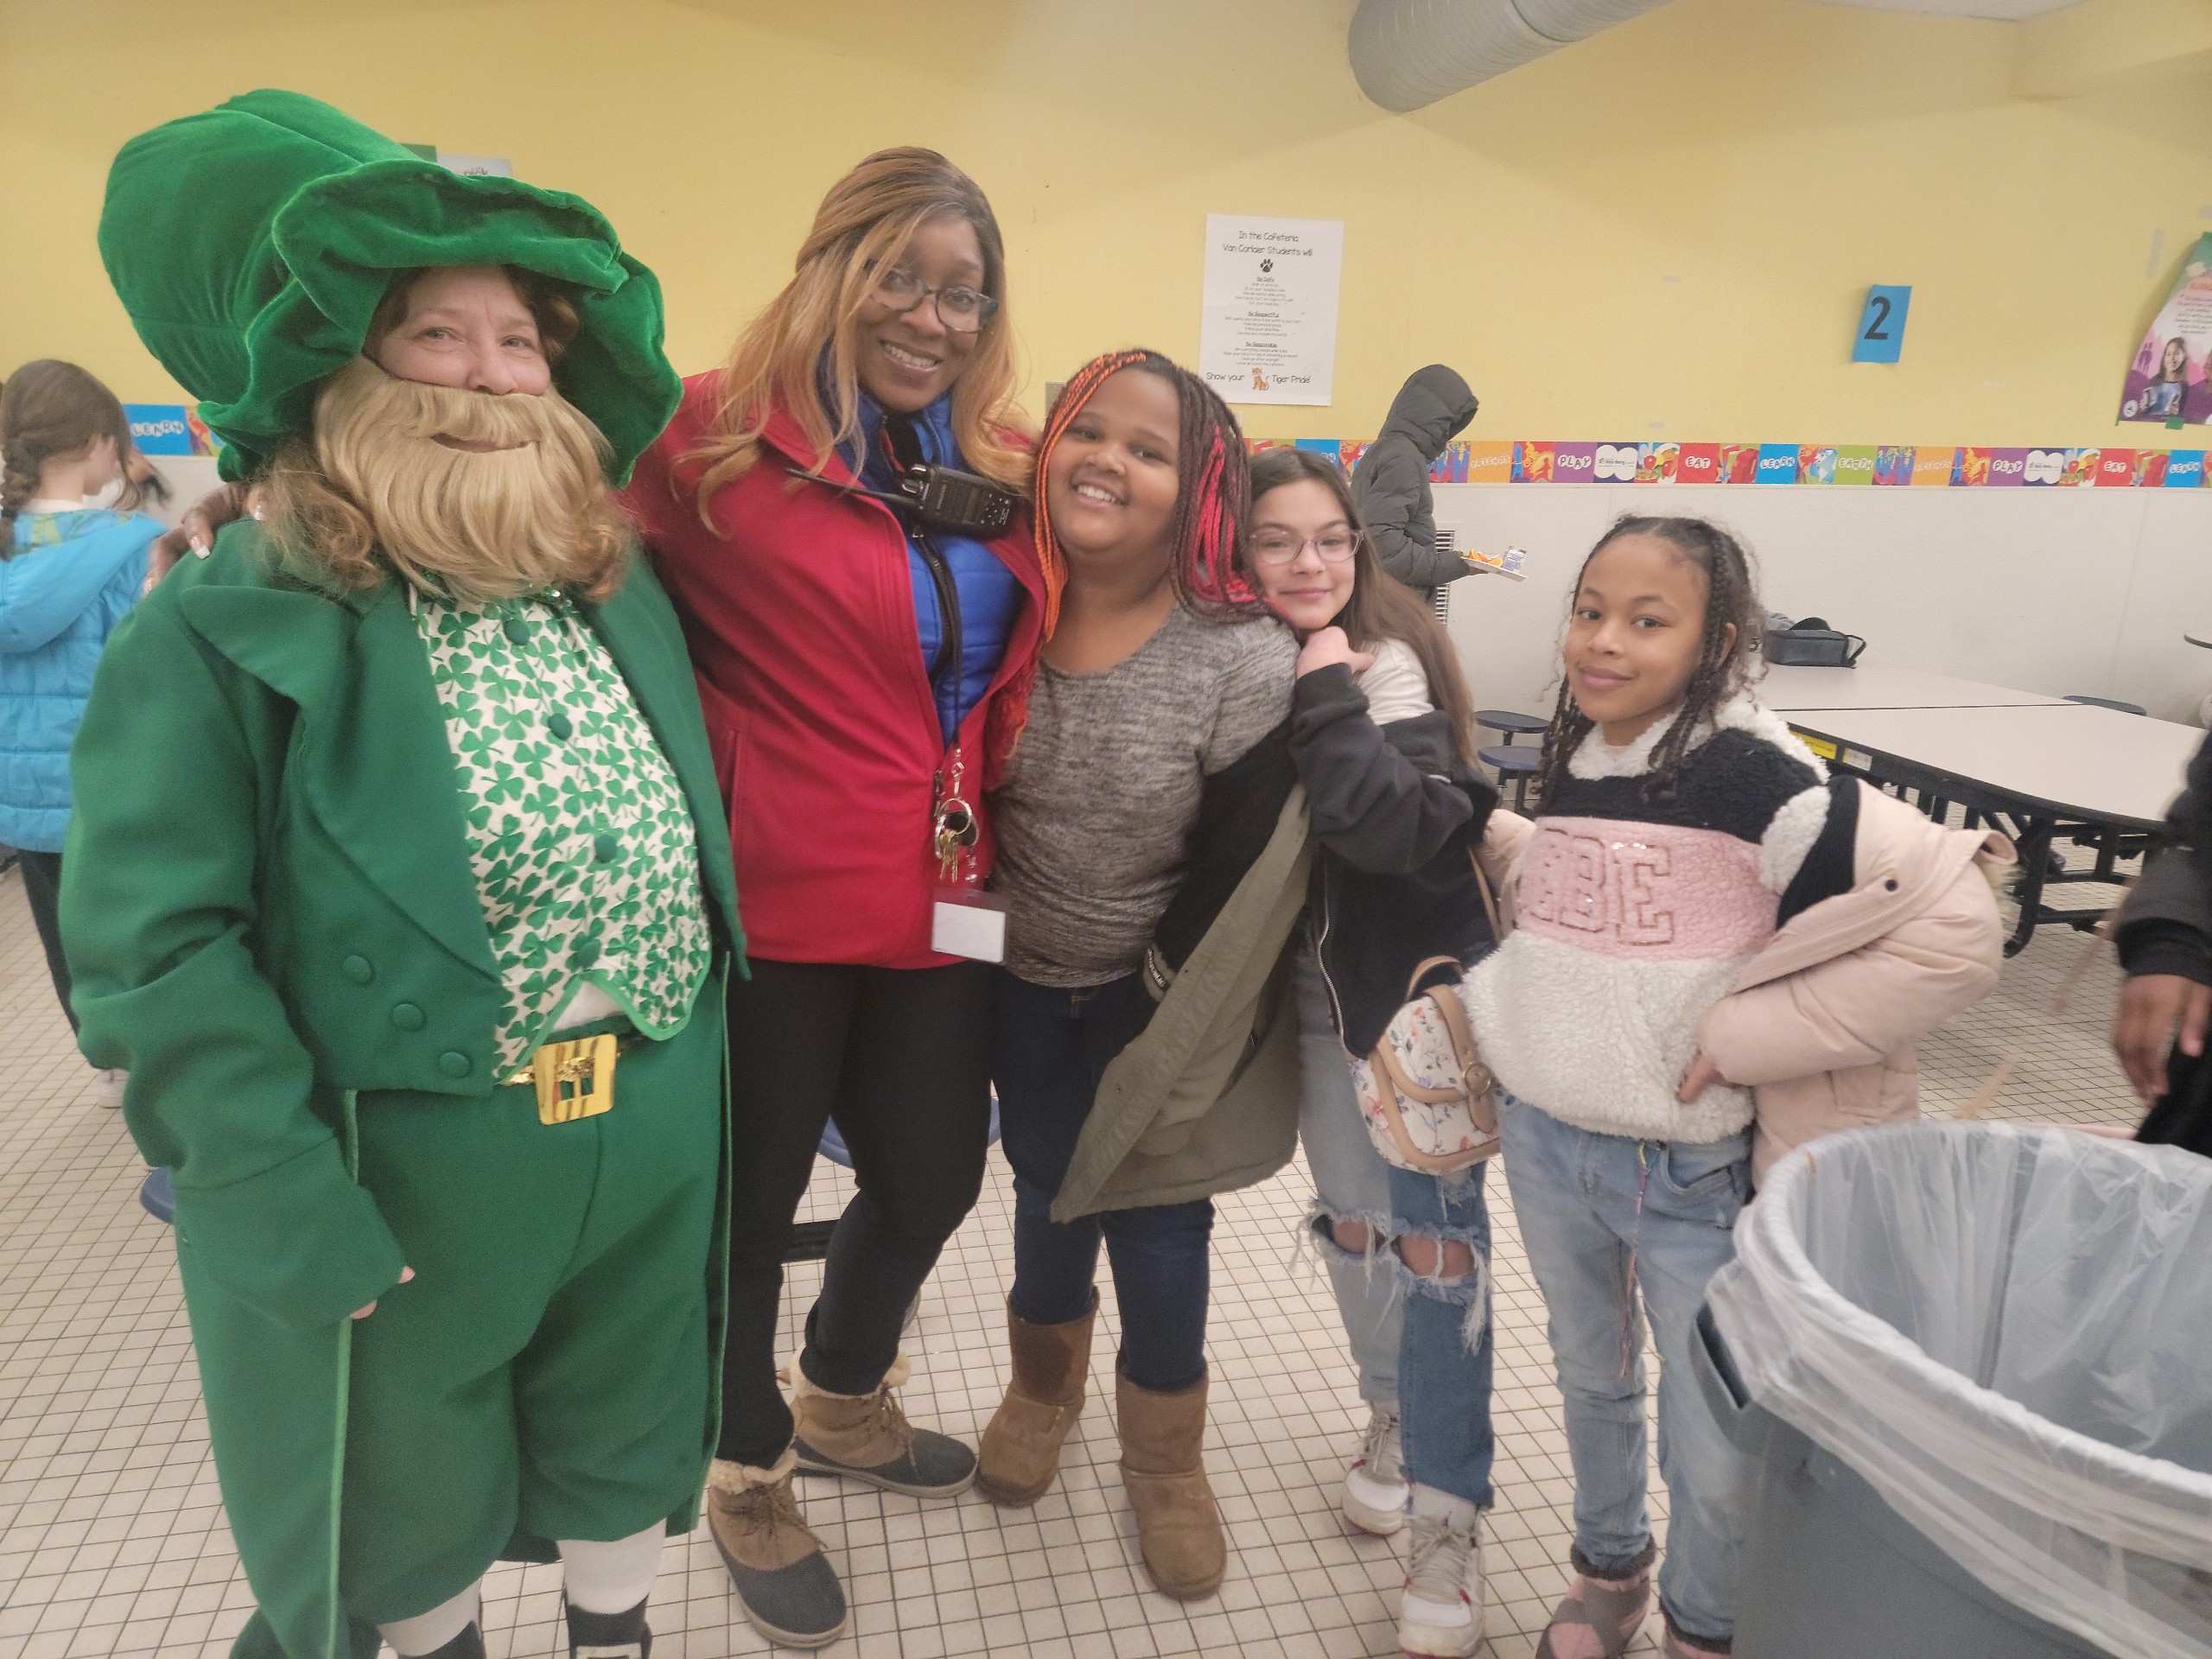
800,618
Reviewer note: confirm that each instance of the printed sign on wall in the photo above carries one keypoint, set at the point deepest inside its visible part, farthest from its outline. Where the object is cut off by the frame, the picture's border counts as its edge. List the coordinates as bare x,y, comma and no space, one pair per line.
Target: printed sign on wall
169,429
1268,334
2167,382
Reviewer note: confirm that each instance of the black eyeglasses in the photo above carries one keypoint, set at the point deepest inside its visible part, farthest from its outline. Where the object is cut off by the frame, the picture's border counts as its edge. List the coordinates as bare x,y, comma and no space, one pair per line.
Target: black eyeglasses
963,310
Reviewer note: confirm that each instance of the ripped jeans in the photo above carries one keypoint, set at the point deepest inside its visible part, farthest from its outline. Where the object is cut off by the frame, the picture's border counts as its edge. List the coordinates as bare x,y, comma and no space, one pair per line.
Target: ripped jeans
1444,1359
1351,1182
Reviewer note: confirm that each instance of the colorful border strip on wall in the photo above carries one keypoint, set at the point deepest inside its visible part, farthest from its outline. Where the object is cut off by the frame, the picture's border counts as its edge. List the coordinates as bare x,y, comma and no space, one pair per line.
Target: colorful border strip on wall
1891,466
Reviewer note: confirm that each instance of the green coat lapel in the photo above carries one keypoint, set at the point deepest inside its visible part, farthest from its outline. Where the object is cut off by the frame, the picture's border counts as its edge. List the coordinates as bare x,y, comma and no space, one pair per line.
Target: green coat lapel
639,629
372,760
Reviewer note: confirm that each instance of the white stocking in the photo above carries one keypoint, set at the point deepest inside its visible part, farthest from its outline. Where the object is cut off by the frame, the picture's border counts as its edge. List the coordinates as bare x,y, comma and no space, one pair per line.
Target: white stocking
612,1578
426,1633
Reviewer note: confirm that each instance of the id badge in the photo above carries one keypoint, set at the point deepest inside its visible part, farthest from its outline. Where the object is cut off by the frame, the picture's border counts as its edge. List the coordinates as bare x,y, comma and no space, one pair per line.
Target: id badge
968,922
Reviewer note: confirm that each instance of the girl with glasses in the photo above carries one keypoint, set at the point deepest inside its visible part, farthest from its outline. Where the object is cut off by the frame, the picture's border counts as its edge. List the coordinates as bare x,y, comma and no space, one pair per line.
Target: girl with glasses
1381,732
863,676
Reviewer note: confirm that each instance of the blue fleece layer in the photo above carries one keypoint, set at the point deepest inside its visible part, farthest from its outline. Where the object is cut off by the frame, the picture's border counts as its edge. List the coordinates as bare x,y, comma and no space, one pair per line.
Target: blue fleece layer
989,592
71,578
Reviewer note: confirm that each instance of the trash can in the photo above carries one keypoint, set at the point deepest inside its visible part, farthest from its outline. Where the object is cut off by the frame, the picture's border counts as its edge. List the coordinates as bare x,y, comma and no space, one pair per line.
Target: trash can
1970,1366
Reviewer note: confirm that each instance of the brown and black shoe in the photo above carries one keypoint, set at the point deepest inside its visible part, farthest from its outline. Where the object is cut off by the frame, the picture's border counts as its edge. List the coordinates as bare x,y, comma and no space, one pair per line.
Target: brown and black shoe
785,1585
867,1437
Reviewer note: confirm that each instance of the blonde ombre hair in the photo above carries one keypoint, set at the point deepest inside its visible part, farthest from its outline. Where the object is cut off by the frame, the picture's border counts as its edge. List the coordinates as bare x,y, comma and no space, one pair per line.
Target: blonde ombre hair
375,491
862,228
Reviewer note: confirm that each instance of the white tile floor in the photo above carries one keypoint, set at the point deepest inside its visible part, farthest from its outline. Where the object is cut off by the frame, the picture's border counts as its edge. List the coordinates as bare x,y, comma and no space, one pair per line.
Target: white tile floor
111,1533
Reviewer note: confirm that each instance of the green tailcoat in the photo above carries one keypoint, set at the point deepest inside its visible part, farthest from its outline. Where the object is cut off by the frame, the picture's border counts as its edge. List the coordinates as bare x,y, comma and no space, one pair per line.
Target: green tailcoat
269,909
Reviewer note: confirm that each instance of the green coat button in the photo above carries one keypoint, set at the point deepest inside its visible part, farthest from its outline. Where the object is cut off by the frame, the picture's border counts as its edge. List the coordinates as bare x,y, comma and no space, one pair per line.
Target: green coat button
453,1063
585,954
358,968
603,848
408,1017
560,725
516,630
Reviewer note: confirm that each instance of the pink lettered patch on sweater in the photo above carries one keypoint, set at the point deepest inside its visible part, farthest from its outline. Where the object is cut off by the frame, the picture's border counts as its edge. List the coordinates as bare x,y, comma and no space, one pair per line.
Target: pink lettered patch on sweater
1661,892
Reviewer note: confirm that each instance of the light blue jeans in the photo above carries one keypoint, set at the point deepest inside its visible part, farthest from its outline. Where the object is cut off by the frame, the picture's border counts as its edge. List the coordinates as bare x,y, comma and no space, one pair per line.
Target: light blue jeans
1351,1182
1604,1218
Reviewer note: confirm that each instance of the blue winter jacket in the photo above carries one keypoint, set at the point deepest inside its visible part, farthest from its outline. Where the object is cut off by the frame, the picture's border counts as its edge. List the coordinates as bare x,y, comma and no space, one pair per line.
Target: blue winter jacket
70,580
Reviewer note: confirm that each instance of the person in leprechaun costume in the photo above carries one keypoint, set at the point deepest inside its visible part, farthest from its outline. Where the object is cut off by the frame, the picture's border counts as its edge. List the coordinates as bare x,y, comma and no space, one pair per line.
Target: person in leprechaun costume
400,883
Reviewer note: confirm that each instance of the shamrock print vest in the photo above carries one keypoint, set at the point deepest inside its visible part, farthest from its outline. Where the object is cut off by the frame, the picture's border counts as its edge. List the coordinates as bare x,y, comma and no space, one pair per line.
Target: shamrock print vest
579,834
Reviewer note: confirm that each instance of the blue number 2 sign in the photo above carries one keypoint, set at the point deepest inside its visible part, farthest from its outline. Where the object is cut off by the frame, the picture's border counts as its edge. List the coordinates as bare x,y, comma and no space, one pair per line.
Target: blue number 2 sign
1881,326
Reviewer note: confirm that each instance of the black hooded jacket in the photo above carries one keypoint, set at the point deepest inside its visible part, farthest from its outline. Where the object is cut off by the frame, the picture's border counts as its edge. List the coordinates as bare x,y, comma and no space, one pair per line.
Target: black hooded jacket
2166,927
1398,815
1391,481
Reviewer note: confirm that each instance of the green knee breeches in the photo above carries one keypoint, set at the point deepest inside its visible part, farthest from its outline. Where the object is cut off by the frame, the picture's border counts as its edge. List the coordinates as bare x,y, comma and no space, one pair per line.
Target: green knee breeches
546,1374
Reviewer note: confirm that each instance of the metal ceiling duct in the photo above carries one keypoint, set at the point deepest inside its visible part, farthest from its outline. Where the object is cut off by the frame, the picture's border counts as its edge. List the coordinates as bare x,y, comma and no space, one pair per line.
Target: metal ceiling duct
1409,54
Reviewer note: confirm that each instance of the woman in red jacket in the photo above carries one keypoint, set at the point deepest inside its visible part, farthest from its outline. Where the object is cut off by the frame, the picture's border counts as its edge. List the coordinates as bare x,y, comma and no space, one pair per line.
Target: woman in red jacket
863,678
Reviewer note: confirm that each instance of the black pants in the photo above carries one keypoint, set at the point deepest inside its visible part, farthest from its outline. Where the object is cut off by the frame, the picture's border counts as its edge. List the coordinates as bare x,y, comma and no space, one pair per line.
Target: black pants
2183,1116
902,1057
43,887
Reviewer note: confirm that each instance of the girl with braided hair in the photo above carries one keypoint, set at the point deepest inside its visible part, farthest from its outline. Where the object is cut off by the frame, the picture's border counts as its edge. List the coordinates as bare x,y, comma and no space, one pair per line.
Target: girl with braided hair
67,576
1146,808
1721,953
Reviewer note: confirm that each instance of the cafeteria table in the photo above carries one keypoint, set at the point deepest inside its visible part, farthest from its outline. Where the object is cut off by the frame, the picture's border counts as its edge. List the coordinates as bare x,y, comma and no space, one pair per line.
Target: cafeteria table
2033,768
1873,686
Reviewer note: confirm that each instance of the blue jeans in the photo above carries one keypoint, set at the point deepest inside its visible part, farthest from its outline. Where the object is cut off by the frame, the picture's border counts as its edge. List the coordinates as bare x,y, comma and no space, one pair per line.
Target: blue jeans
1444,1365
1600,1213
1351,1182
1049,1049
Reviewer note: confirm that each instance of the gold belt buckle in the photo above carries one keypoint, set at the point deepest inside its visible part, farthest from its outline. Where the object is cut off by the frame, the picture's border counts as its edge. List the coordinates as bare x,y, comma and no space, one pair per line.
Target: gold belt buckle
575,1078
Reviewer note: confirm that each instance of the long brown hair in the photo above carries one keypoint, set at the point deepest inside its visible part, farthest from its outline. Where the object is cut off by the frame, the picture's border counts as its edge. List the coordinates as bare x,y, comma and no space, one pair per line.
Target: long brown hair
1725,663
1381,607
50,409
862,228
1213,498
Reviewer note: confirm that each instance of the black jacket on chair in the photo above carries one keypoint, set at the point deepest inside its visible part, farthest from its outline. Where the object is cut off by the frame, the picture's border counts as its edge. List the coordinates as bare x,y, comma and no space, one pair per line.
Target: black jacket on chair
1397,813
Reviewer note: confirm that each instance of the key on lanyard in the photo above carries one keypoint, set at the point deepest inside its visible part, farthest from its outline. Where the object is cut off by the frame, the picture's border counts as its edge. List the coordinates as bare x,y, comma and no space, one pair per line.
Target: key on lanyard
956,831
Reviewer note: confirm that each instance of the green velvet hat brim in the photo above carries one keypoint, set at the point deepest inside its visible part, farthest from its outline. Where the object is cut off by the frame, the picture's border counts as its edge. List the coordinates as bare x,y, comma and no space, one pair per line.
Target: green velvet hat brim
252,245
344,238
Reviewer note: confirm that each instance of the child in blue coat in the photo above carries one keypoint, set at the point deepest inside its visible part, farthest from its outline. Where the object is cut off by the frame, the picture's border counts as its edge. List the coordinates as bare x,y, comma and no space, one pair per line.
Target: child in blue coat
68,574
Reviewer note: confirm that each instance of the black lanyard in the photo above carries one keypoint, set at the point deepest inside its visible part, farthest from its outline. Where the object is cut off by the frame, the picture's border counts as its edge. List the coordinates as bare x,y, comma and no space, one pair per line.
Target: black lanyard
906,447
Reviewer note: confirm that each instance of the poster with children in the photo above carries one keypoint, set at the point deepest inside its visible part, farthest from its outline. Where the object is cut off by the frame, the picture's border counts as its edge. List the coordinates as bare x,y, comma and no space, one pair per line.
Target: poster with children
2166,381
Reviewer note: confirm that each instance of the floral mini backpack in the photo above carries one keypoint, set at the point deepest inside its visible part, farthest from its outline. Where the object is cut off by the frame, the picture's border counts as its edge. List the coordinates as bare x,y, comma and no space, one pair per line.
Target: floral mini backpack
1430,1102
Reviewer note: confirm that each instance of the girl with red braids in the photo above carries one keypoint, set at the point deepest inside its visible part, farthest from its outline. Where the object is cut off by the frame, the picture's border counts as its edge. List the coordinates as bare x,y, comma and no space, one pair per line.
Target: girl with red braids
1152,862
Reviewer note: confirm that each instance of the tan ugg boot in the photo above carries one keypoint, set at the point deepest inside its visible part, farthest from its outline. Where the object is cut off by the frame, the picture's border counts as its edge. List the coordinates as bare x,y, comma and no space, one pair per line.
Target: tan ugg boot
1163,1468
1020,1450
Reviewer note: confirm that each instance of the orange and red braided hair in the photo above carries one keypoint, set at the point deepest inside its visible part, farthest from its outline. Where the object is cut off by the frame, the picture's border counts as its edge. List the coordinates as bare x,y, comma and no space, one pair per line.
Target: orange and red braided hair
1212,493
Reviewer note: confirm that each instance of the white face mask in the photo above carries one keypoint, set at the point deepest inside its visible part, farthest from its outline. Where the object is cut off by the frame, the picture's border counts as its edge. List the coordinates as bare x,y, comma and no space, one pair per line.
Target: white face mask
109,493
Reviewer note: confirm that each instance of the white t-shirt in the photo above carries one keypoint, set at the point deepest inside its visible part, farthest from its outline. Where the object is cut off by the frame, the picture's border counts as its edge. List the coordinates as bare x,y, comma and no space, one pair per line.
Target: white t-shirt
1395,685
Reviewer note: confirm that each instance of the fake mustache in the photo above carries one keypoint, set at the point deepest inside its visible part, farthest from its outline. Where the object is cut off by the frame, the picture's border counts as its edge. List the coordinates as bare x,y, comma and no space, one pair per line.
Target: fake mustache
454,417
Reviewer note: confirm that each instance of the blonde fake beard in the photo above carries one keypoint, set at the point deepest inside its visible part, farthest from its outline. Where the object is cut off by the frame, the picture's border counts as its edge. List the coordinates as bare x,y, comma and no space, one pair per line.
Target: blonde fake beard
532,513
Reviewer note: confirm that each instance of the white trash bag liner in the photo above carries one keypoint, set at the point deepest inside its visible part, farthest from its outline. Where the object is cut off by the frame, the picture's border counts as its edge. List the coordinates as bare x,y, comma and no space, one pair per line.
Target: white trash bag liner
2008,1333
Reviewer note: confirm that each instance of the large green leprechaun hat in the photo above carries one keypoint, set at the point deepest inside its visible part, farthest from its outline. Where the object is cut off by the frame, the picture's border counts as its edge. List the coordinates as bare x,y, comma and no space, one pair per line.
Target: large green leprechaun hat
250,245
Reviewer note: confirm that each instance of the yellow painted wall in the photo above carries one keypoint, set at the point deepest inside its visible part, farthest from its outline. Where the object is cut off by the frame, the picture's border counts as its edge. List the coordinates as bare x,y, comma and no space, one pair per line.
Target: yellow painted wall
1673,223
